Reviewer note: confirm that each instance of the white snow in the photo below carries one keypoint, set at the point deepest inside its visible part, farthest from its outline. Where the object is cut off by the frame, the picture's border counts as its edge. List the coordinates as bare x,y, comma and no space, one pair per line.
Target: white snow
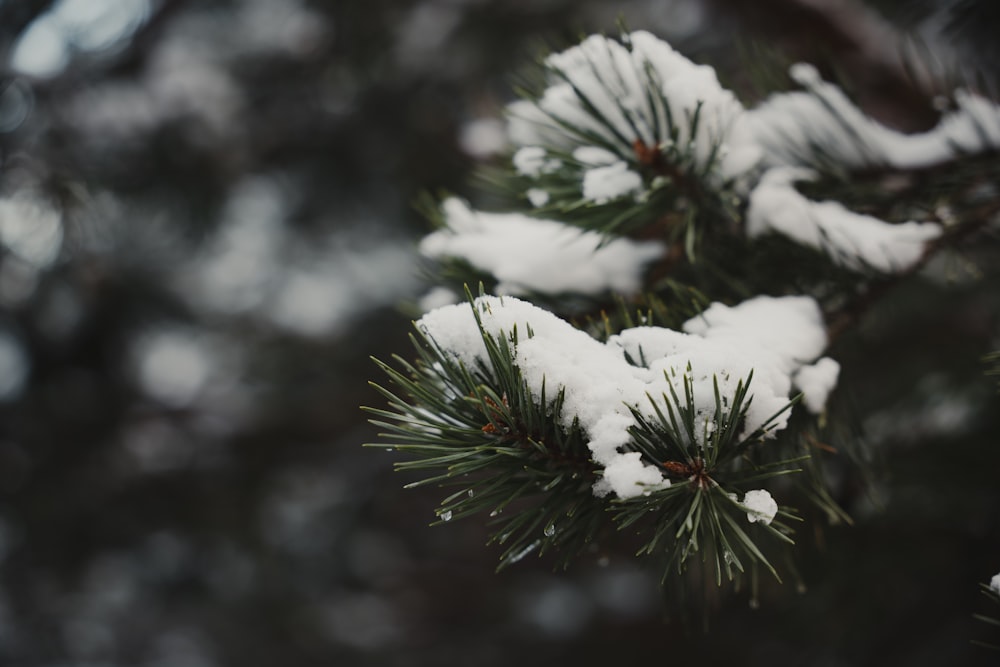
602,184
598,106
594,156
628,472
760,506
671,356
600,89
601,381
854,240
533,161
791,327
528,254
537,197
787,125
816,382
596,380
771,336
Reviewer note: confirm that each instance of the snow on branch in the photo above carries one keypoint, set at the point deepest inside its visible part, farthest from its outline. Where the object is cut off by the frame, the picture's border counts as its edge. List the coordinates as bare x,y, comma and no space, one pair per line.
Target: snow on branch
821,127
851,239
653,424
528,254
604,386
655,117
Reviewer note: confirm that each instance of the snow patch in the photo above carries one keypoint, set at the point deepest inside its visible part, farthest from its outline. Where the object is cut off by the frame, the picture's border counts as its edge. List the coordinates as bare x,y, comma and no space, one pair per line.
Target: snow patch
594,156
603,382
528,254
851,239
760,506
533,161
787,125
602,184
816,382
537,197
601,88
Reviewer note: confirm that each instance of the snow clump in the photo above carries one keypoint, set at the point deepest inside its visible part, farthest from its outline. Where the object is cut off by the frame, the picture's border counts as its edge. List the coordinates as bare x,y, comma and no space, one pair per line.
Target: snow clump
628,96
602,382
760,506
853,240
528,254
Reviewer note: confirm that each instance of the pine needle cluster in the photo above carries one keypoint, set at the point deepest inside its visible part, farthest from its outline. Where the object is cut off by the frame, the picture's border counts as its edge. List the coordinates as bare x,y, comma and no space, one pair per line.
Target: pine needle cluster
802,195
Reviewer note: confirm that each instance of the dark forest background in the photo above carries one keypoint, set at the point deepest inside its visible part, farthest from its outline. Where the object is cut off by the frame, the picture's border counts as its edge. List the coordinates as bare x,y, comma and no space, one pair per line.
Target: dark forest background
207,228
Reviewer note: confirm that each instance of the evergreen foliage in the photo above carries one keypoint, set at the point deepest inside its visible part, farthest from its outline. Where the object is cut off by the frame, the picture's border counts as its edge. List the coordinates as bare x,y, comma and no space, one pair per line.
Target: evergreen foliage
801,195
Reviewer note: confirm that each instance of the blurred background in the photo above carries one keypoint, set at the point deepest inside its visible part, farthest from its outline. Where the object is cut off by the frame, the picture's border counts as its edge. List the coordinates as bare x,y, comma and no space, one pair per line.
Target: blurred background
206,229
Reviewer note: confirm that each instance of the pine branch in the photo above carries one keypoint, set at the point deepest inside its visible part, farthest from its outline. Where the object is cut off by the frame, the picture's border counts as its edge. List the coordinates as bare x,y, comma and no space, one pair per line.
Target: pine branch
696,513
515,456
611,143
481,430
